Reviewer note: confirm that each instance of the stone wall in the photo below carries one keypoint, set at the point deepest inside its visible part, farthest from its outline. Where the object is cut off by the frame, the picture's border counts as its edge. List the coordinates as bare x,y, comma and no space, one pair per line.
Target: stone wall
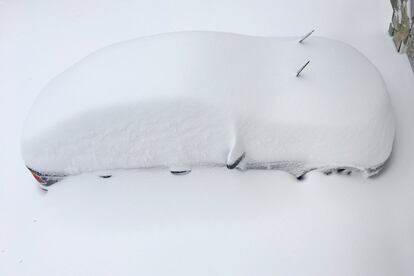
401,27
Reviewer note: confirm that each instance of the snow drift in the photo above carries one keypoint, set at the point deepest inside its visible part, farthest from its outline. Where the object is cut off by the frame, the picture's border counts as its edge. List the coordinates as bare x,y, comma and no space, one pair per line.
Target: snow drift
188,99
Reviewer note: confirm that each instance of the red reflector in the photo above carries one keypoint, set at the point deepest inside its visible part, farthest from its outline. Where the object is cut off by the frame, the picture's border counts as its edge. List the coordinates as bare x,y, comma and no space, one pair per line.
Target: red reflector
38,177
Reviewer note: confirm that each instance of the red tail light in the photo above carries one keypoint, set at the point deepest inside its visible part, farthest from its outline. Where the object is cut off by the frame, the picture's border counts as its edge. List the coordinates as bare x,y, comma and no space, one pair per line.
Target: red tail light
38,177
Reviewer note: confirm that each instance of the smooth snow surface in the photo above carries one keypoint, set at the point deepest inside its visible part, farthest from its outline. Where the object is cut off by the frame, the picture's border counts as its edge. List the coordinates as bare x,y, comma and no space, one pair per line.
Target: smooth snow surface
204,98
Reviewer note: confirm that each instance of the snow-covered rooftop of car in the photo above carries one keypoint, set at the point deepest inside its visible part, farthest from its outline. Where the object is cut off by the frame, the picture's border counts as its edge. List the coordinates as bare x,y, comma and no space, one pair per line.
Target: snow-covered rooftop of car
204,98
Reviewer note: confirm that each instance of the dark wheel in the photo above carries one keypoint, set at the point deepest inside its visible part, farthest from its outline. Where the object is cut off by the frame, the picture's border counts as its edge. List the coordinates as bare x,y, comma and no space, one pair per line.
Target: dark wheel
300,177
180,172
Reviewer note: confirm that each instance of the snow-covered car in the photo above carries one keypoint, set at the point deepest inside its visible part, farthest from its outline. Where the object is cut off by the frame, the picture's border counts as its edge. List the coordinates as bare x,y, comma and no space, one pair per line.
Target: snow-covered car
189,99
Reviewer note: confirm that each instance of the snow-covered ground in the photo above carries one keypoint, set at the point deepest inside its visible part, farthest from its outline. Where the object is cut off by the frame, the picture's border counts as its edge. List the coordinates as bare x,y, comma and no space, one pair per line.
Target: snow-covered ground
212,221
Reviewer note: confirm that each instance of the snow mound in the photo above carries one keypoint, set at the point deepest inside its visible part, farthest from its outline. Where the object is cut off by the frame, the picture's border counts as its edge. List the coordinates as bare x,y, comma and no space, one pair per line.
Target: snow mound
188,99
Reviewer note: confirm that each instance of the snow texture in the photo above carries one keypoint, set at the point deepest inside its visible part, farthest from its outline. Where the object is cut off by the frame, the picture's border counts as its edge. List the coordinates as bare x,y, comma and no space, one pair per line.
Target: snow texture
191,99
212,221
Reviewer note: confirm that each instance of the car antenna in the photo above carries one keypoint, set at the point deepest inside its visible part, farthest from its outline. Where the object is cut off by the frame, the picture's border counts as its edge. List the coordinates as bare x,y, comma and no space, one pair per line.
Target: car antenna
303,67
306,36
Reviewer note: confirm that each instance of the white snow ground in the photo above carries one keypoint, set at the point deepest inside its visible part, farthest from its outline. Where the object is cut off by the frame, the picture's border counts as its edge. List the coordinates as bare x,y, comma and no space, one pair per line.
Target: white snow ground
212,221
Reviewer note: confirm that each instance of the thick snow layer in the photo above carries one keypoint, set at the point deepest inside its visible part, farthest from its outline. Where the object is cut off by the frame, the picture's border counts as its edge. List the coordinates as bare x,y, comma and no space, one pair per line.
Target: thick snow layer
206,98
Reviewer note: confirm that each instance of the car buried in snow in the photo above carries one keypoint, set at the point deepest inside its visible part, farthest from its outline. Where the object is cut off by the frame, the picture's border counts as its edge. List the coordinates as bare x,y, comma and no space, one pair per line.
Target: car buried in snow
189,99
